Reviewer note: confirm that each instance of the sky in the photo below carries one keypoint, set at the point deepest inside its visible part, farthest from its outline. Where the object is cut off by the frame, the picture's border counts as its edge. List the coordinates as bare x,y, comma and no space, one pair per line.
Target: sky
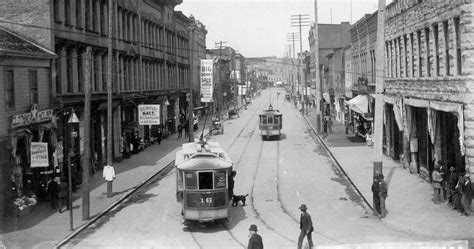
258,28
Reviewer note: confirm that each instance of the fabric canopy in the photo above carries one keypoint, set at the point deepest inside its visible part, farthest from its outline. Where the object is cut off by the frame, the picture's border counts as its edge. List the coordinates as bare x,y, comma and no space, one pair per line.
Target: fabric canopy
359,104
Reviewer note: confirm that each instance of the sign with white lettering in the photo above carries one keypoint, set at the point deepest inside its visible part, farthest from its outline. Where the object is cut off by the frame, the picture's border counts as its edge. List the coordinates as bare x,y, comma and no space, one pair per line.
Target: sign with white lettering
207,85
149,114
39,154
33,117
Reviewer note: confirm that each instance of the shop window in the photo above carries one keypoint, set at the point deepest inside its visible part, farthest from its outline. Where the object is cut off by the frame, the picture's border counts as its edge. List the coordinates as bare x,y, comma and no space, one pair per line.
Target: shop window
205,180
9,89
33,79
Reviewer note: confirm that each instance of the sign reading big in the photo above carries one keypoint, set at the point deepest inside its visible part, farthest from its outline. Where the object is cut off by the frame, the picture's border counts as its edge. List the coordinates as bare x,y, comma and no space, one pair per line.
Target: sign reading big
207,86
149,114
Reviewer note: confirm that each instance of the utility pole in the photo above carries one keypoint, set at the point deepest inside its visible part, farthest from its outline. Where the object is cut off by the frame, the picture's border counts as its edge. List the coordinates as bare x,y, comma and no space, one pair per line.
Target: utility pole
291,37
301,21
86,158
219,69
191,86
109,97
379,88
319,89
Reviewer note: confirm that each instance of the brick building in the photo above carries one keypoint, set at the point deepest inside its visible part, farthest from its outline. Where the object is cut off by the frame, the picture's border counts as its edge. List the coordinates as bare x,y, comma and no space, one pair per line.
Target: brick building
429,68
26,117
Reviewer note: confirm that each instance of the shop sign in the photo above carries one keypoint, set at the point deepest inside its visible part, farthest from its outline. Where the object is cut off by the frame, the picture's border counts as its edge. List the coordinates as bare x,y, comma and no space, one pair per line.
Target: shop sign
33,117
149,114
39,154
206,80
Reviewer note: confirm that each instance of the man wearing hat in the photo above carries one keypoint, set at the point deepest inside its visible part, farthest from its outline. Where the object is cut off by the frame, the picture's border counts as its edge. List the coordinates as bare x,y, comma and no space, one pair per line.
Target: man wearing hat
306,226
255,241
437,179
383,194
452,181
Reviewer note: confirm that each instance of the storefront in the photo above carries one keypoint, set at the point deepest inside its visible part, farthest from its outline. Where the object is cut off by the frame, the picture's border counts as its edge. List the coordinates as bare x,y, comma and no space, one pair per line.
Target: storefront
34,158
393,128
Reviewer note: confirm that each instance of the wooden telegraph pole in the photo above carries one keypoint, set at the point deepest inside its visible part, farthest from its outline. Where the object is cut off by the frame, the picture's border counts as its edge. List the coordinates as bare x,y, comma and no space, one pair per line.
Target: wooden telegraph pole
319,88
379,88
86,158
109,97
191,86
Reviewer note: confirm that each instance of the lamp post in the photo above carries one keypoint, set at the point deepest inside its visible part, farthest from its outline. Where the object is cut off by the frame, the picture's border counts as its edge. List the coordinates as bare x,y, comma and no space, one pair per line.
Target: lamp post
72,120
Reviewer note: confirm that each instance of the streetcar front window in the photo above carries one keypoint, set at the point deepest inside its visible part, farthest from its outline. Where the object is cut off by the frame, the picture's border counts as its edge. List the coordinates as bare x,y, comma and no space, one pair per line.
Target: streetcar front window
191,181
220,179
205,180
263,119
277,120
270,120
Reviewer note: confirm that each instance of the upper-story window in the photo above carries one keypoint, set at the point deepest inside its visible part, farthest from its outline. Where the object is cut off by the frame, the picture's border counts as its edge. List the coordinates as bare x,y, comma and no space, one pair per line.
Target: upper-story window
33,78
57,15
67,12
9,89
79,14
457,45
447,62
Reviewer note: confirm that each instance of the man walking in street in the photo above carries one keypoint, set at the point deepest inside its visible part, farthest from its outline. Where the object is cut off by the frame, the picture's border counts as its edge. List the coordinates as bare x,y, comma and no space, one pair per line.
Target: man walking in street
437,179
255,241
383,194
306,227
375,196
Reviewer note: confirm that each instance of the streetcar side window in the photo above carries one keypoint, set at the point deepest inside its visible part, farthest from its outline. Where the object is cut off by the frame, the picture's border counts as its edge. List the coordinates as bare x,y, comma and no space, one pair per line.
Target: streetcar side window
220,179
277,120
191,181
263,119
270,120
205,180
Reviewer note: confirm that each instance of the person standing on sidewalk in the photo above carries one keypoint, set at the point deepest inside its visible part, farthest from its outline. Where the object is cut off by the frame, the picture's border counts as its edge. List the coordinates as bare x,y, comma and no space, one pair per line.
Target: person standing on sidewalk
63,194
452,181
466,199
255,241
375,196
306,227
53,190
437,179
180,130
330,125
383,194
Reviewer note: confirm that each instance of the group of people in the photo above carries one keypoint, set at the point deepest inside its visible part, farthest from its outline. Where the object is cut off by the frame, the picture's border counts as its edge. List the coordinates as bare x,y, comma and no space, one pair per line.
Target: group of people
457,189
379,194
58,193
306,229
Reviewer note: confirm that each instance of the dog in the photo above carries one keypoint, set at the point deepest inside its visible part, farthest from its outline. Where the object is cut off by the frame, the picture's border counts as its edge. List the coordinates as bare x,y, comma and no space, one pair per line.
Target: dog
237,198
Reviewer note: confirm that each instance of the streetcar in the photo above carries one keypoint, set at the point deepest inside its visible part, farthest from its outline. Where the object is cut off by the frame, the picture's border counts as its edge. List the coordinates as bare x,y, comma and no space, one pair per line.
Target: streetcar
202,172
270,123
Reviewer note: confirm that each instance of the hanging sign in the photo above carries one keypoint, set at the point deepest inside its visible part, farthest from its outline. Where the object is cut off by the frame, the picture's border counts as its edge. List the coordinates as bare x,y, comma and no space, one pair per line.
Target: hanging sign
39,154
148,114
207,86
33,117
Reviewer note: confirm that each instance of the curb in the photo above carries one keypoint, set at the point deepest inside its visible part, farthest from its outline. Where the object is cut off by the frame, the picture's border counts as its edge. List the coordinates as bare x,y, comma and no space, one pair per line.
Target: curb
337,162
110,207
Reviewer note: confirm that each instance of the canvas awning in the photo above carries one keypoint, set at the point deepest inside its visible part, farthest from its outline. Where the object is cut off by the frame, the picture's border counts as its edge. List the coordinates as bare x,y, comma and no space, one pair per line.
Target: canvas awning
359,104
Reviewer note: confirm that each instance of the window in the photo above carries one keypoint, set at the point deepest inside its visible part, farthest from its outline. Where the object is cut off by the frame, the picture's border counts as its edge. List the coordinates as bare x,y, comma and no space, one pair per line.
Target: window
270,120
412,51
190,180
88,15
59,88
79,14
436,48
104,73
205,180
220,179
33,78
427,47
67,12
95,16
57,16
446,47
420,58
70,87
80,70
405,49
103,18
9,89
457,41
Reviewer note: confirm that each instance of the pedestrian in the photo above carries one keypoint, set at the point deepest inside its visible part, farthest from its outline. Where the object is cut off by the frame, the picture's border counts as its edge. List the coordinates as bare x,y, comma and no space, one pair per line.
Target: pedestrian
186,128
231,183
375,196
444,178
306,227
452,181
330,125
255,241
466,199
63,194
180,130
383,194
437,179
159,135
53,190
325,125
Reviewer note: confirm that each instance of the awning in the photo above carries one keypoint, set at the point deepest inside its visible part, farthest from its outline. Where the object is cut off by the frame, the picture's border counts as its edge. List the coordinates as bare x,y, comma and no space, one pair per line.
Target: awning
359,104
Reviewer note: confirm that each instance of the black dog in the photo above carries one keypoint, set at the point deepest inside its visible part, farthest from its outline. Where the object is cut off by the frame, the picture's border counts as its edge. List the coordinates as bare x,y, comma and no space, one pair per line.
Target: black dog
237,198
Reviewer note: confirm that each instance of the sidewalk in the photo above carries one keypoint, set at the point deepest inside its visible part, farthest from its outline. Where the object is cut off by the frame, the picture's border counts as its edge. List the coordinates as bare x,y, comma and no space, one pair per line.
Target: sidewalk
409,201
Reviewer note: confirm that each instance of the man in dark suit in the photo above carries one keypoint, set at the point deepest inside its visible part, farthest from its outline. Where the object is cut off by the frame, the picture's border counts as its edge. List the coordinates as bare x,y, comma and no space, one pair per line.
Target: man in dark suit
255,241
306,226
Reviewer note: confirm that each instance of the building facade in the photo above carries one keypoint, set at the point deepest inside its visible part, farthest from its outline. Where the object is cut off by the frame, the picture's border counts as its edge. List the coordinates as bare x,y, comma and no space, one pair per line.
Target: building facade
429,67
26,120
